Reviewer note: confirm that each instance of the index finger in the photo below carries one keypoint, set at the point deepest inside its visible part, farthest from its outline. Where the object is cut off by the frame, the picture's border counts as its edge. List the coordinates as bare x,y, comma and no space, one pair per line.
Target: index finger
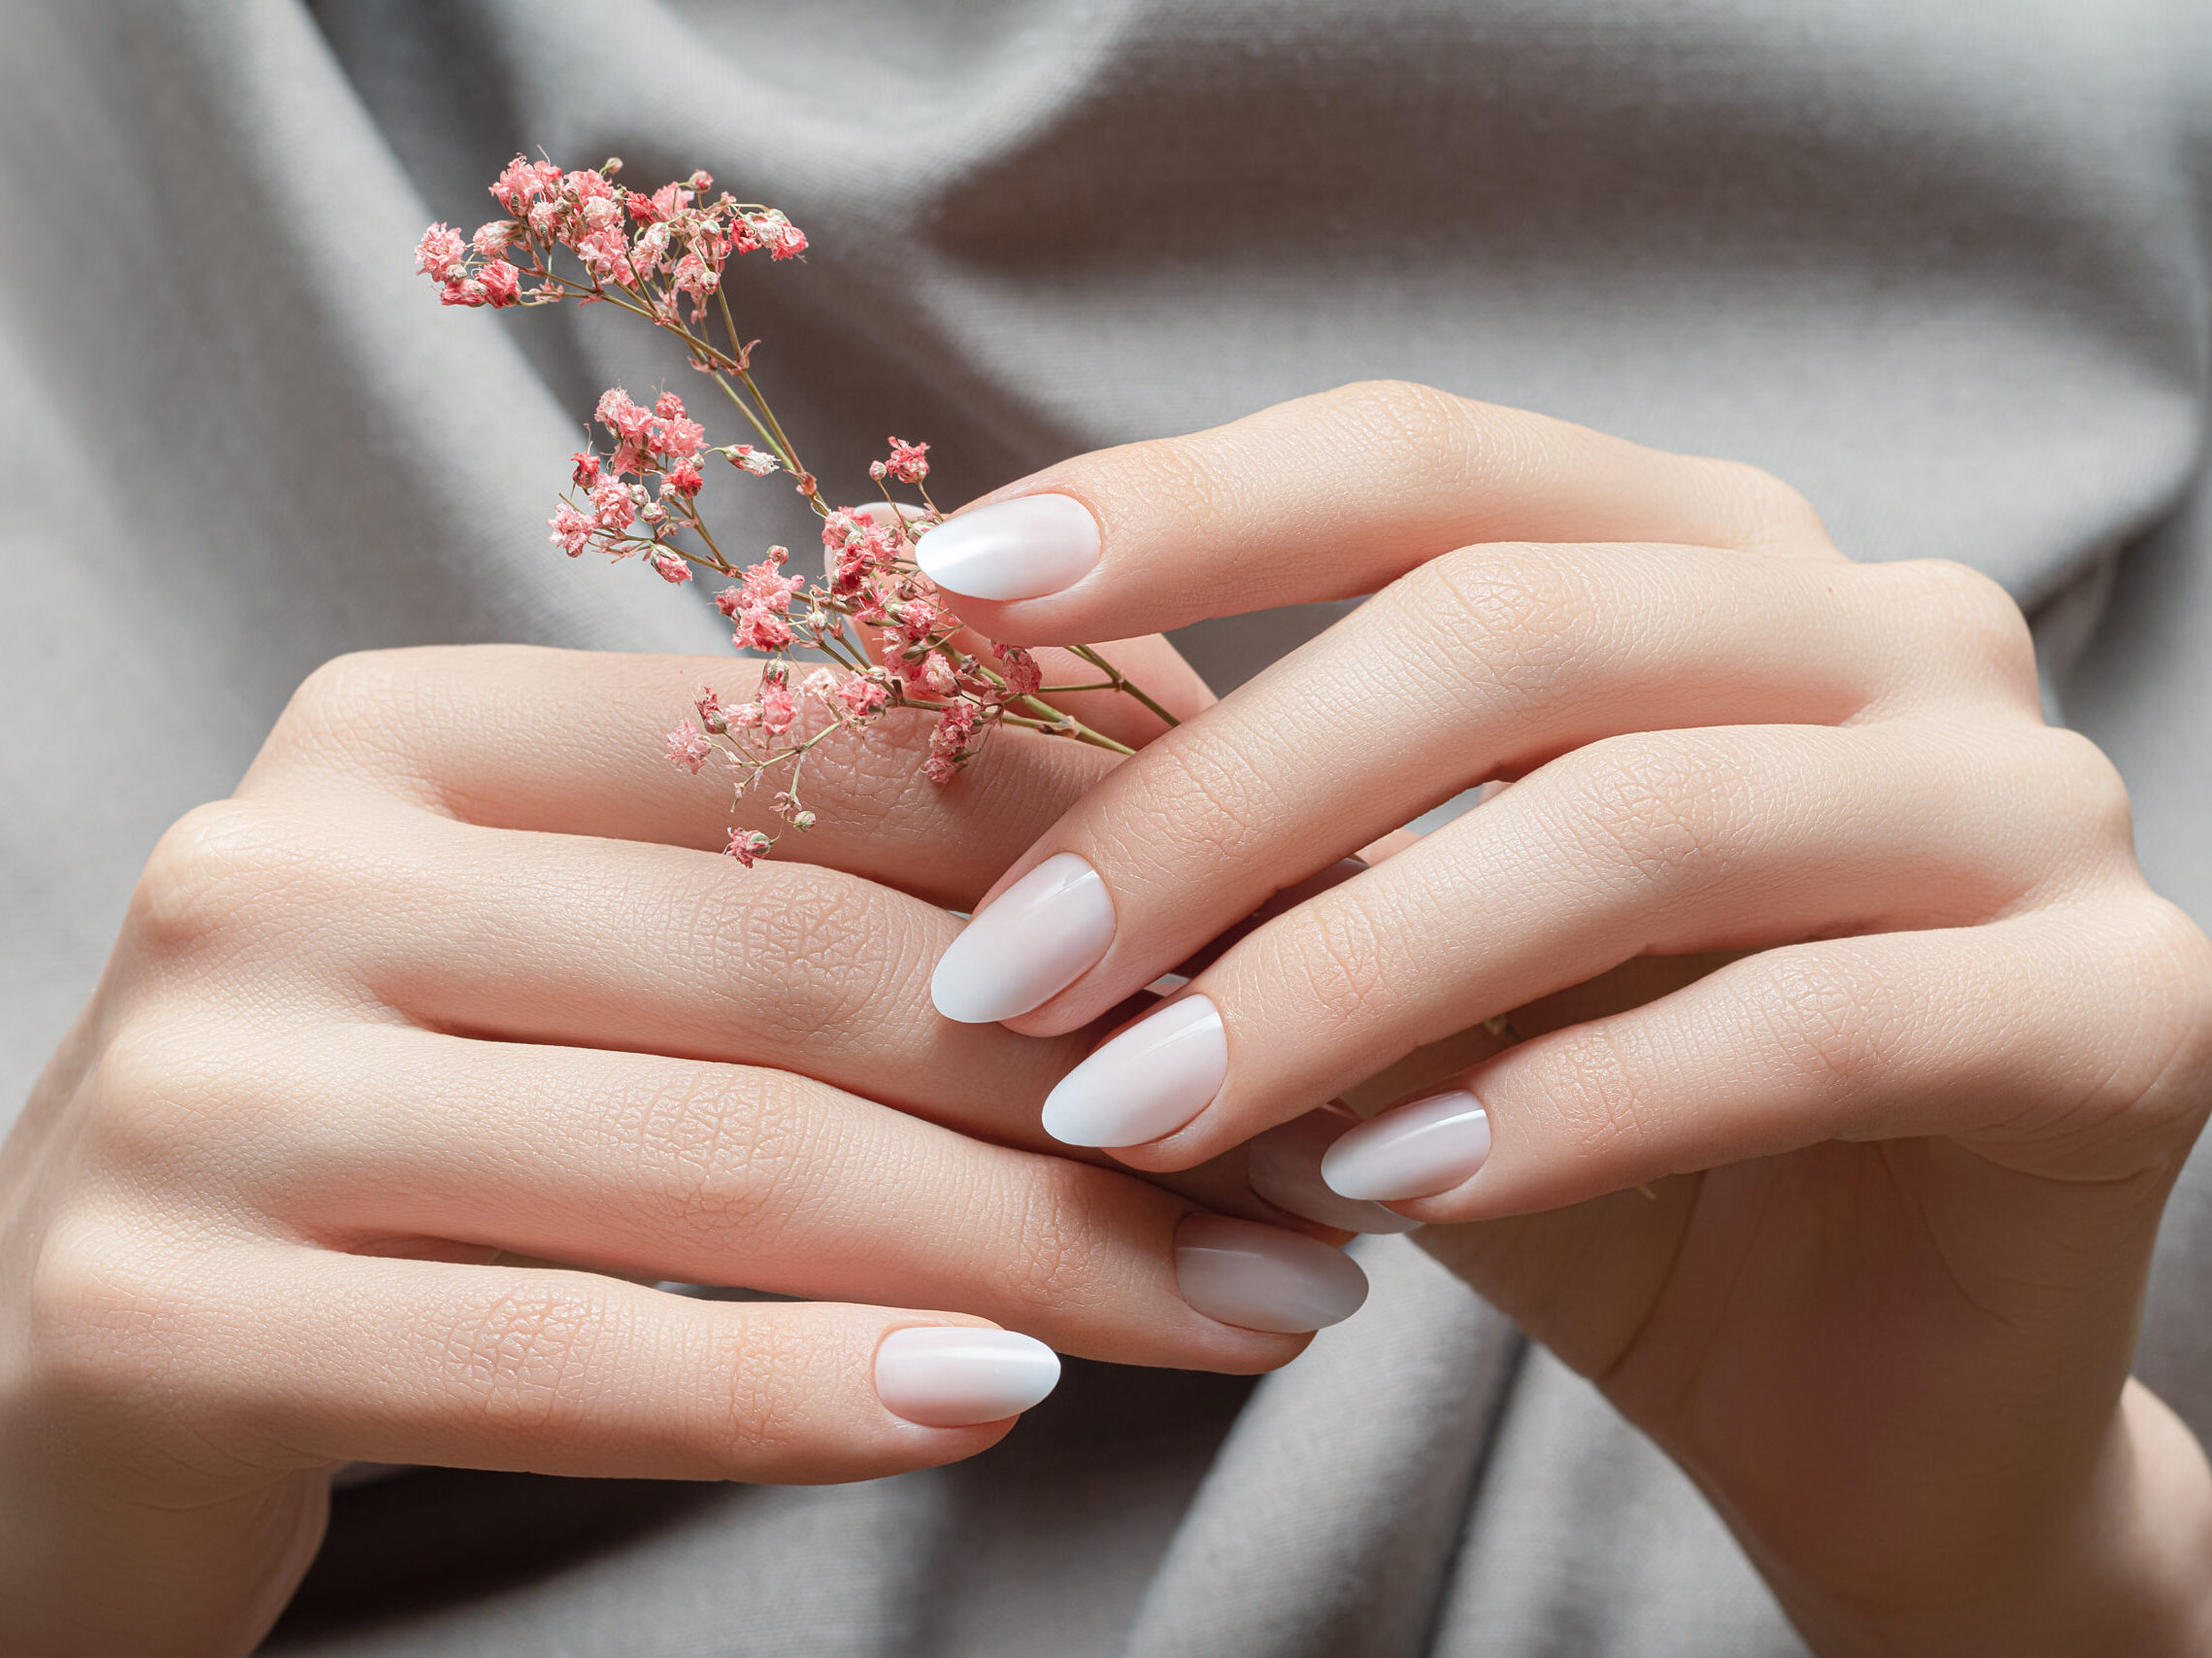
1324,497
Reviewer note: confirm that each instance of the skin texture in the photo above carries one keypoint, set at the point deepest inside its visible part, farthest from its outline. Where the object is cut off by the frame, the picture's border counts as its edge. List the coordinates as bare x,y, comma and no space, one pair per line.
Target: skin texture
456,989
1873,998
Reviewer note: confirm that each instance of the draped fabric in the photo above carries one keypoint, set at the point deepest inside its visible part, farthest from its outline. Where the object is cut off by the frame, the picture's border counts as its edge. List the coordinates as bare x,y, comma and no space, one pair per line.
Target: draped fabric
1943,266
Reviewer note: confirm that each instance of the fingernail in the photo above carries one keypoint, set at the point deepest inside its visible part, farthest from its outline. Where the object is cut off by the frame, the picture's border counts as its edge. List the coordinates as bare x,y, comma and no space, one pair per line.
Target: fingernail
947,1376
1149,1081
1413,1151
1262,1278
1025,548
1041,934
1284,1166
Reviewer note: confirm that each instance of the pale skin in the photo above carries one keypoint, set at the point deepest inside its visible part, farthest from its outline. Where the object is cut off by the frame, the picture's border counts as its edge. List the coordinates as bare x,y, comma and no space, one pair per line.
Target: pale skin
452,990
455,981
1900,1047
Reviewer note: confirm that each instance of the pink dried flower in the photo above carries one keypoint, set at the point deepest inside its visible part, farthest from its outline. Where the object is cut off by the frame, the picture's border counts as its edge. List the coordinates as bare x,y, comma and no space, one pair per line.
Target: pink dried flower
1023,676
864,694
493,237
501,281
745,845
462,292
606,255
583,468
688,747
440,254
572,530
778,709
906,463
611,501
674,567
526,181
758,462
683,479
949,742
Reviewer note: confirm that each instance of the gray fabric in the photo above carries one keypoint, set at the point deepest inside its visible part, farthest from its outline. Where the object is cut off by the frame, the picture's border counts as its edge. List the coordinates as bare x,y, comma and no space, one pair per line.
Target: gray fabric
1943,266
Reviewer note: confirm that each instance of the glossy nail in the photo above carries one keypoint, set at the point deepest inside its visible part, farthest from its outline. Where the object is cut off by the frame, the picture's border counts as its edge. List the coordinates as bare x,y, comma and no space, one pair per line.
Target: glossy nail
1147,1082
1284,1166
1411,1151
1037,937
948,1377
1025,548
1262,1278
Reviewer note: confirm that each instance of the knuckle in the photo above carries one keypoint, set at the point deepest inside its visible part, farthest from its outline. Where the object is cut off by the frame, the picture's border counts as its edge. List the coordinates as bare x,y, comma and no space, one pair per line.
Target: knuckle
718,1166
1772,512
1670,811
1427,435
524,1360
1972,616
764,1419
1598,1091
2170,964
810,952
1215,794
2078,778
1333,955
109,1320
214,872
1521,616
1830,1017
1061,1220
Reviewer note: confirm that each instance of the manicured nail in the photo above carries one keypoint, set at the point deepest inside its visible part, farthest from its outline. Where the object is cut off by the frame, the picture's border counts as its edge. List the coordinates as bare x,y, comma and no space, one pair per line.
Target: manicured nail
947,1376
1284,1166
1025,548
1262,1278
1411,1151
1037,937
1147,1082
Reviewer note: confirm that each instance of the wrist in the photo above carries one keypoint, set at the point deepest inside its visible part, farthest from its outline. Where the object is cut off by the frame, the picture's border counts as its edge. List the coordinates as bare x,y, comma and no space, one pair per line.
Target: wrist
2124,1570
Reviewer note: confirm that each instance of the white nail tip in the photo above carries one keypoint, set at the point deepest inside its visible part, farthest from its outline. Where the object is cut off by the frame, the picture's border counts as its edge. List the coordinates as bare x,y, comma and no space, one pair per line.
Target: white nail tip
947,1376
1262,1278
1145,1083
1034,941
1414,1151
1284,1166
1025,548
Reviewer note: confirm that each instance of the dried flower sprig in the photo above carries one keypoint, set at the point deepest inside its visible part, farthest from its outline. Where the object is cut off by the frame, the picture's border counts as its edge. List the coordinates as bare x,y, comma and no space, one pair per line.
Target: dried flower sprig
881,632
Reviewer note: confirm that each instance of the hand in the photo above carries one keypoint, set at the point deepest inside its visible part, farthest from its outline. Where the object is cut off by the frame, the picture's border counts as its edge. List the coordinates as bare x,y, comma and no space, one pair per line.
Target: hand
451,991
1906,1139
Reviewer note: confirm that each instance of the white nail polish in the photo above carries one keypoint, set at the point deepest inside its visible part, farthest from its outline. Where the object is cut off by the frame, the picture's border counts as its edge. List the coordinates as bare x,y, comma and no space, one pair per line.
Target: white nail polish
1147,1082
1284,1166
1036,938
1262,1278
949,1376
1026,548
1411,1151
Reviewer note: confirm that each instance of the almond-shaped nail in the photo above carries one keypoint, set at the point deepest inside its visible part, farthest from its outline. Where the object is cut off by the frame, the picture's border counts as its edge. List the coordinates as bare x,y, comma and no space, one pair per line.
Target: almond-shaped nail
1026,548
1284,1166
1034,941
952,1377
1411,1151
1147,1082
1262,1278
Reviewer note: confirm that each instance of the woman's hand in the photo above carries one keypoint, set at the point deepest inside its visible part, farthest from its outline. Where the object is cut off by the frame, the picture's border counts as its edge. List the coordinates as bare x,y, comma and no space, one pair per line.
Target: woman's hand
1906,1142
454,989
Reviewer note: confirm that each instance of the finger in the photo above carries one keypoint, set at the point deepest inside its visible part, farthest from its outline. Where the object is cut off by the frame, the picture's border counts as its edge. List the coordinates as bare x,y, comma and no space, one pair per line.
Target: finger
1893,1038
571,941
1153,536
382,1359
1501,658
574,742
1666,843
725,1175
